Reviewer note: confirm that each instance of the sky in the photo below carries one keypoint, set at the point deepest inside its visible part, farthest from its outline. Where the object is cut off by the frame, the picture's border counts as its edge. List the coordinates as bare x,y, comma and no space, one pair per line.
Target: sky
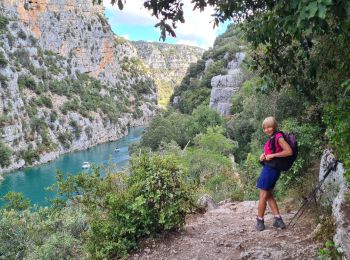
134,23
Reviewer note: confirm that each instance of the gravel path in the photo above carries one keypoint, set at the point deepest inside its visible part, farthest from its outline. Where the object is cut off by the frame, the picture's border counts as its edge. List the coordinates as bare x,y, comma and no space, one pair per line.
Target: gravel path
229,233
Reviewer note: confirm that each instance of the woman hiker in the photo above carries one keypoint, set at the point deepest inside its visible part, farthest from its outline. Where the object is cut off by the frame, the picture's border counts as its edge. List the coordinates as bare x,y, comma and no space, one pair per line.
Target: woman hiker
269,175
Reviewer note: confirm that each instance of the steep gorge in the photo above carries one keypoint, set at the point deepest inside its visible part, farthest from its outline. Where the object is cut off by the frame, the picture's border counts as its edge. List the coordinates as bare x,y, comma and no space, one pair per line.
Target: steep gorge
168,63
67,83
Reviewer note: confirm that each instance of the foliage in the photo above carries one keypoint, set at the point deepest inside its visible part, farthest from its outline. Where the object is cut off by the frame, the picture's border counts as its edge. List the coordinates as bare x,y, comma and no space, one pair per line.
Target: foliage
5,155
44,100
27,82
194,89
22,57
3,23
158,186
204,164
337,118
30,156
121,209
65,139
42,234
16,201
214,141
76,128
329,251
3,60
165,128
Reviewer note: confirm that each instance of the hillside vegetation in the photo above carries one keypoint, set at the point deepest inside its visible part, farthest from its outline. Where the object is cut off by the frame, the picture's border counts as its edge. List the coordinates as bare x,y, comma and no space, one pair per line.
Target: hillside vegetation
48,106
190,150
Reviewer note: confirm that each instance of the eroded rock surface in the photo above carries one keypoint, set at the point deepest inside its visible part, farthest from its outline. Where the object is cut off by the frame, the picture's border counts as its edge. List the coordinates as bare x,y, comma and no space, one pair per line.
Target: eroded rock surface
334,192
224,86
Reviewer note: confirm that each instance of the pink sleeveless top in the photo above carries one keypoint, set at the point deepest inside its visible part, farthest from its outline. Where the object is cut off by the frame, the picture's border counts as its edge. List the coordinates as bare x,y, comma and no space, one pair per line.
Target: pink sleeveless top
268,150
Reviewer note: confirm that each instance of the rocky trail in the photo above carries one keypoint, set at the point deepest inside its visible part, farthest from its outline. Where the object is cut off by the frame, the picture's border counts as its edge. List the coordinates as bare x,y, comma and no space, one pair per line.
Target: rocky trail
228,232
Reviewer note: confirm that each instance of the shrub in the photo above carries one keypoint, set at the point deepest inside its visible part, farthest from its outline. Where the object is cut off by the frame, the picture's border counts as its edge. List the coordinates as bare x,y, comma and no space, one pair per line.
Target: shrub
22,56
53,116
3,79
215,141
42,234
46,101
16,201
337,120
26,82
5,155
76,128
22,35
162,198
65,139
3,60
4,21
30,156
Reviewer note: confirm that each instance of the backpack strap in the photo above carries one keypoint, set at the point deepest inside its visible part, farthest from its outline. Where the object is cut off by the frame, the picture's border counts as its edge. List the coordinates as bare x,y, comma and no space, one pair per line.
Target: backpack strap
272,143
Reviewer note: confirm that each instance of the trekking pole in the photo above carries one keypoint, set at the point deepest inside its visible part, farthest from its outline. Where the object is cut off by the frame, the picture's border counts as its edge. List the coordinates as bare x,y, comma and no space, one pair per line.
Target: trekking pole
332,166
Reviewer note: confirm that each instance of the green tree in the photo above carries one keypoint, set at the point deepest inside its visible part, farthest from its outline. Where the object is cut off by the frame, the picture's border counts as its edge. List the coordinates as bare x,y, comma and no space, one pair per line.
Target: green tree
16,201
5,155
215,141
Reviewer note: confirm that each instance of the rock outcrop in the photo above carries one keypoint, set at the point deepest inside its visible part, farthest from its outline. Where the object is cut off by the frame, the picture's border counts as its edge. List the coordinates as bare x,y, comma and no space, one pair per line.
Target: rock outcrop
335,192
67,83
168,63
224,86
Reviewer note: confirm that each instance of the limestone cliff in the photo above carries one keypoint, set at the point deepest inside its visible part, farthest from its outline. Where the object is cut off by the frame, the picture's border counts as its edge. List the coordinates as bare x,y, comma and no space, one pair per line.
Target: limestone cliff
215,77
168,63
67,83
335,193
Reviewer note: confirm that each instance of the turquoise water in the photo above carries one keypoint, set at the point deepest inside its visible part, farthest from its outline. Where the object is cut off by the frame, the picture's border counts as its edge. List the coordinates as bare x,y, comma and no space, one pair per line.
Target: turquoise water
33,181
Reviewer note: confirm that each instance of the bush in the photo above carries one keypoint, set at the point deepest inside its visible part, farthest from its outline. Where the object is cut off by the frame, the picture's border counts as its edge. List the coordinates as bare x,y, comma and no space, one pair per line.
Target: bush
215,141
45,100
27,82
121,209
5,155
3,60
162,199
22,56
337,120
3,79
165,128
22,35
3,23
65,139
42,234
30,156
76,128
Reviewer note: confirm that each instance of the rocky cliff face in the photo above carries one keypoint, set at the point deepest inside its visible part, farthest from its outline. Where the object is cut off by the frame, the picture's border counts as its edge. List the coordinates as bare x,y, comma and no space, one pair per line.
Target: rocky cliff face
168,63
334,192
225,86
67,83
215,78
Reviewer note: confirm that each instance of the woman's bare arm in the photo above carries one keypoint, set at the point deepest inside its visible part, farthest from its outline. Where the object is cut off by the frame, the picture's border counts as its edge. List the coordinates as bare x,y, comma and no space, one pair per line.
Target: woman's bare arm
286,150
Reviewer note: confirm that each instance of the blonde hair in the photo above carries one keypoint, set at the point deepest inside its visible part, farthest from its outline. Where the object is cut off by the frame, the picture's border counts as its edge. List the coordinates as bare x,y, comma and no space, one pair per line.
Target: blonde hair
270,121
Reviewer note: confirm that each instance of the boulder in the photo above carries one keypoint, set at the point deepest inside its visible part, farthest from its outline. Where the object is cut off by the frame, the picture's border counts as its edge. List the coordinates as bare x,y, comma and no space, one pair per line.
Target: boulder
207,202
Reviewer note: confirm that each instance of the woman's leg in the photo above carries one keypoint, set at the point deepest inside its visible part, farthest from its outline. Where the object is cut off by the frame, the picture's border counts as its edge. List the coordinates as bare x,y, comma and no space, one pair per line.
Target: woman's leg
272,204
263,195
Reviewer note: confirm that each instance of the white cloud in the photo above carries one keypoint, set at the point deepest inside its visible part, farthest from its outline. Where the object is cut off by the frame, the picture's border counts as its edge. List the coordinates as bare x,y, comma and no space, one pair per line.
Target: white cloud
126,36
197,29
133,13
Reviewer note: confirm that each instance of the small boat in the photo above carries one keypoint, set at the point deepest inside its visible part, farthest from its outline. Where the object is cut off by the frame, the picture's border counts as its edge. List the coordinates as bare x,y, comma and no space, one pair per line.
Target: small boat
116,149
85,165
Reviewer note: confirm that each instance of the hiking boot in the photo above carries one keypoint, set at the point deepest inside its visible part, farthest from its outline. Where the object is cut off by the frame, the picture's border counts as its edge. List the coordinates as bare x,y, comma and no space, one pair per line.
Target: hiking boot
260,226
278,223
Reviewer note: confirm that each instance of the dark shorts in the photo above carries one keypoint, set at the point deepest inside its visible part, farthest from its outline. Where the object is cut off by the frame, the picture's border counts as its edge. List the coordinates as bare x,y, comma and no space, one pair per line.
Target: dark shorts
268,178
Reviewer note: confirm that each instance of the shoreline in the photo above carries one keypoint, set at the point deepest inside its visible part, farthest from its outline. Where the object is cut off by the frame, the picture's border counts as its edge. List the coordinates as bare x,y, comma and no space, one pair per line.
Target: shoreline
56,154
